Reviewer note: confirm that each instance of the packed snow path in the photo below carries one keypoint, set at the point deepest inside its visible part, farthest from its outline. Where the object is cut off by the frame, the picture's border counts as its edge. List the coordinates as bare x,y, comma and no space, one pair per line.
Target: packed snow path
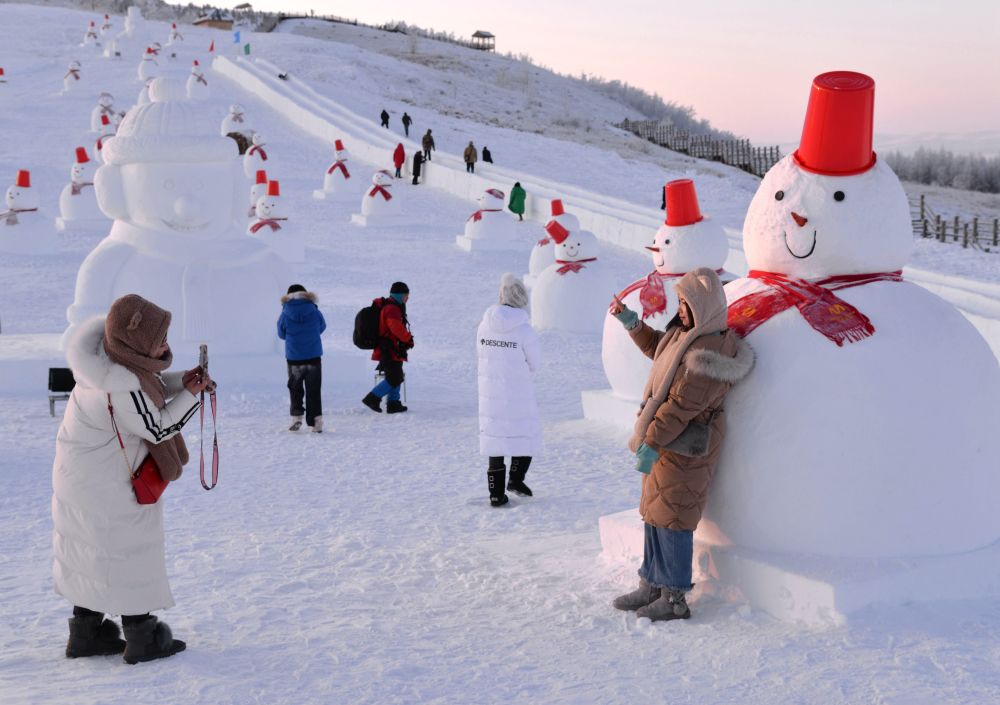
364,565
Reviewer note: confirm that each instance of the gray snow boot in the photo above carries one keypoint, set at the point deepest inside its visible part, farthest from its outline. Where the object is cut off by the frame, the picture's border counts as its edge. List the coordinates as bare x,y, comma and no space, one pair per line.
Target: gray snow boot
92,635
148,640
296,423
640,597
671,605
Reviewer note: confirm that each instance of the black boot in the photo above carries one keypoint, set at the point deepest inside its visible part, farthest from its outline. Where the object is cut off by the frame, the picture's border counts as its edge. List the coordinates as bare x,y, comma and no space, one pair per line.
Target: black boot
395,407
518,469
373,402
92,635
495,478
148,639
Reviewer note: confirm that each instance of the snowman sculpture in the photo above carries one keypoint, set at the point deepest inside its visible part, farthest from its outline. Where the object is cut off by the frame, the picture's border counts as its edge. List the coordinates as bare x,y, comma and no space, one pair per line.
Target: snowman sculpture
543,253
377,204
73,77
143,97
571,294
23,229
197,86
148,67
106,26
78,201
255,157
257,191
270,226
108,130
868,426
336,177
175,35
489,228
687,240
105,106
90,38
235,121
175,192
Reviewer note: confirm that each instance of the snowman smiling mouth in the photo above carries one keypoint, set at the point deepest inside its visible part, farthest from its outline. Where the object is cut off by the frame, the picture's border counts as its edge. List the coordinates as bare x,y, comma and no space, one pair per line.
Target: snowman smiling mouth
182,227
572,251
800,221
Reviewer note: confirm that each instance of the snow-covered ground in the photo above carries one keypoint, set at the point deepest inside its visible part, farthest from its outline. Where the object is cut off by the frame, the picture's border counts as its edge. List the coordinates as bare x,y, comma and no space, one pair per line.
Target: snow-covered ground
364,565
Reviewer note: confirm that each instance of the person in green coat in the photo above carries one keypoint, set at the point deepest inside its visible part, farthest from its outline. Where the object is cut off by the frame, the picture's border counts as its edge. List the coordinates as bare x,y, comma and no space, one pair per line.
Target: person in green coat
517,196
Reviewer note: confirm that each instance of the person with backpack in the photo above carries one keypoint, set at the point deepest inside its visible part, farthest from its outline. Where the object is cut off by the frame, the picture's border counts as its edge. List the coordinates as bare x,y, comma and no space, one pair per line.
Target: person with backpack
517,196
391,340
487,155
407,121
508,415
470,155
300,325
418,163
427,142
398,159
385,119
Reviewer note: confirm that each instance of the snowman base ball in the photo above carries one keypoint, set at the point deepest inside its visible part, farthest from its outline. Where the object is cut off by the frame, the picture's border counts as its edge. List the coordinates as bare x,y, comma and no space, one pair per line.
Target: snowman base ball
605,406
282,243
377,220
339,195
478,244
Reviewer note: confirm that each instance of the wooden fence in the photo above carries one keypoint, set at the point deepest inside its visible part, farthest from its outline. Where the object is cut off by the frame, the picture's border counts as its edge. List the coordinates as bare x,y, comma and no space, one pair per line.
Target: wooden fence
981,234
738,153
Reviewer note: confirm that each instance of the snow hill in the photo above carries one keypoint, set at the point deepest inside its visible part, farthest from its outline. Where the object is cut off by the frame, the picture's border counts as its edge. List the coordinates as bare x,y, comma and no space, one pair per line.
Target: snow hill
364,565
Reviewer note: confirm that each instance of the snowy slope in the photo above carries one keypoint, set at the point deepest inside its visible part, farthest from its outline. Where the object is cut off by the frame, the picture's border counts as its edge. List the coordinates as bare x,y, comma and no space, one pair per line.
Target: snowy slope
363,565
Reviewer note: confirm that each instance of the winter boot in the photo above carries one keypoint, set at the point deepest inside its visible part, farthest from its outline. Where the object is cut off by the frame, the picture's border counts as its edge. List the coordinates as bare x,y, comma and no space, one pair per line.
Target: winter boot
296,423
92,635
150,639
495,478
516,482
318,424
638,598
671,605
373,402
395,407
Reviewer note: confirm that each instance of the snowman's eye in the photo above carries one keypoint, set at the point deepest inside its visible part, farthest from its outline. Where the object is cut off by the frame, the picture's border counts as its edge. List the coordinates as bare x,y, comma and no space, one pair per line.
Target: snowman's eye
838,196
666,242
779,195
168,184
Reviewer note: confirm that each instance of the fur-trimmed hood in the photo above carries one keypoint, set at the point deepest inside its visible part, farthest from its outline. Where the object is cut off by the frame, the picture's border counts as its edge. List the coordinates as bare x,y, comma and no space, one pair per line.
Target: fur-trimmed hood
308,295
722,367
91,366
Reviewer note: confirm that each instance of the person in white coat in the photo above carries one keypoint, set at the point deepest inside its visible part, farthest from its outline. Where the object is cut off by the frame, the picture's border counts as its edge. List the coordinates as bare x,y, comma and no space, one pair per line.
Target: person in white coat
508,414
109,549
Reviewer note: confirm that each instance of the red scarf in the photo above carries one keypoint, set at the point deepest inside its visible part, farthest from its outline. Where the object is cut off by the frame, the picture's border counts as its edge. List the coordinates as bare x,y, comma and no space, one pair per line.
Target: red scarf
269,222
106,110
572,266
200,77
823,311
100,141
11,215
653,292
478,215
237,117
75,73
77,188
380,189
259,148
339,165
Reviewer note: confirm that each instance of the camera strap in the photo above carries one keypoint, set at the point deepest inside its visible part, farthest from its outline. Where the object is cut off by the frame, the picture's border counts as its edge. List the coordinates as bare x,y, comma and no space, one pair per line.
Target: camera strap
215,442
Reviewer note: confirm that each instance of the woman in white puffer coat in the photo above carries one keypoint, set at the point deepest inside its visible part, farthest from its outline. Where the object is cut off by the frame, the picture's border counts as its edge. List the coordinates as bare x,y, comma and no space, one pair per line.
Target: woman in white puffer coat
109,549
508,415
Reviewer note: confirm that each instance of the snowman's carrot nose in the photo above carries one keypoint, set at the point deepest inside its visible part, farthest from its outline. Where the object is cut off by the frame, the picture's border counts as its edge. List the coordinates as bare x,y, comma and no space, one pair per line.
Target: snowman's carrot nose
799,220
652,249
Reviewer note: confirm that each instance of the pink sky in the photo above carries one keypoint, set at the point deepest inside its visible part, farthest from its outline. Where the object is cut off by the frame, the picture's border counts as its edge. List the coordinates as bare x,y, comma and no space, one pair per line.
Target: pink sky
745,66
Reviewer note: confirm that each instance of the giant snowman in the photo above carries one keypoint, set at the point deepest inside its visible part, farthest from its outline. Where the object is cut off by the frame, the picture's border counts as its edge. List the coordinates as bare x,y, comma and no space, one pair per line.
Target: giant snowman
175,190
488,228
687,240
868,427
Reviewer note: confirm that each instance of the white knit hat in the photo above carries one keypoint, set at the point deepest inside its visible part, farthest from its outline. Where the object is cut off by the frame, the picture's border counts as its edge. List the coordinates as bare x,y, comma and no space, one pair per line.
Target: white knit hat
512,291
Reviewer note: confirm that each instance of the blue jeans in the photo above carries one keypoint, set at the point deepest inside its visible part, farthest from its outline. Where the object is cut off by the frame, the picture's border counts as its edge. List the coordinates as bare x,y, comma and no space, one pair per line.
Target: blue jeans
383,388
666,561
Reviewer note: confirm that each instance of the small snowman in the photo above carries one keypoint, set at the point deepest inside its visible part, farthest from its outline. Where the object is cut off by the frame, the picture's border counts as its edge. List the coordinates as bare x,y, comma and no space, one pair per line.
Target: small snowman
73,76
570,295
107,131
90,38
257,191
78,200
105,106
268,223
197,86
377,202
106,26
22,229
337,175
255,157
488,228
112,49
543,251
687,240
148,67
235,121
175,35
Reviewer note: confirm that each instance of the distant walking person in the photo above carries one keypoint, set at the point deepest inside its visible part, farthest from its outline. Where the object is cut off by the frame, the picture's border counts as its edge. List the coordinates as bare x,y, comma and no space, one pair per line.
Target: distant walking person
385,119
418,163
407,121
427,142
508,415
470,155
398,159
517,196
300,325
487,156
394,341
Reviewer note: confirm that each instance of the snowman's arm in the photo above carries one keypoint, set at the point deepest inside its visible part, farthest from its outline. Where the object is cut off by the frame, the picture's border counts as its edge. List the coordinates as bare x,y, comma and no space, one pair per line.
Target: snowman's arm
646,339
690,395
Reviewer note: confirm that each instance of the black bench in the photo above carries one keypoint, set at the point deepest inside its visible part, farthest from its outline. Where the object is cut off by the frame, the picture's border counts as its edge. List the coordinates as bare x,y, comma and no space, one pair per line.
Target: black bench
61,383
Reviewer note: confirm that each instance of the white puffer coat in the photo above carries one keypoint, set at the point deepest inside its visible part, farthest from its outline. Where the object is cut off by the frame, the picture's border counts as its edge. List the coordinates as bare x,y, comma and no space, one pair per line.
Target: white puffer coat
109,553
508,355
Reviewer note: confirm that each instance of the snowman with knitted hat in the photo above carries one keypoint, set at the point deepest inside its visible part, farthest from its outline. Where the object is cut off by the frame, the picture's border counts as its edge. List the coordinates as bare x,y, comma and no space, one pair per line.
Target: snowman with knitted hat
377,205
78,201
197,86
489,227
257,190
23,228
337,177
543,251
270,226
256,157
73,77
570,294
867,428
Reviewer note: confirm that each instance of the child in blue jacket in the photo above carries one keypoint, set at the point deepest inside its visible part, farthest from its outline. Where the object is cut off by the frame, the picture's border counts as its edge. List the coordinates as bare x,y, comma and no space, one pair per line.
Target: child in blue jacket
300,325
